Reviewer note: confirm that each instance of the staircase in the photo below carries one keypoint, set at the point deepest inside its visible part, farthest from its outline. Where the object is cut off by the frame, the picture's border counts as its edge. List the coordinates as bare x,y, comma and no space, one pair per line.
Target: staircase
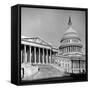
47,71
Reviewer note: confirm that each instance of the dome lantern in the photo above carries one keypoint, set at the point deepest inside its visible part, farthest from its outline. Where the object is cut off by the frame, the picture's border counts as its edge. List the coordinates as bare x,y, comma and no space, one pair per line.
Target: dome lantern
69,22
70,33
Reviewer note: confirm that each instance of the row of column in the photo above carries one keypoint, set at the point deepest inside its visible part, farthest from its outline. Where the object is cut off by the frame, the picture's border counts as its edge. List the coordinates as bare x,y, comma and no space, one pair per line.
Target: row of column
24,57
71,49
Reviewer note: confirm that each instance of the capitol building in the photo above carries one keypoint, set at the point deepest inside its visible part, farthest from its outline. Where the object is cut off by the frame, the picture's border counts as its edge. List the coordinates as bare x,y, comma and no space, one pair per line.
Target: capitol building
68,57
71,56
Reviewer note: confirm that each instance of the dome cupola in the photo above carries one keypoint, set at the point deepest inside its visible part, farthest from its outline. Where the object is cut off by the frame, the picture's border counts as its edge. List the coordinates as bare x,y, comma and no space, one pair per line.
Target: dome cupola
70,32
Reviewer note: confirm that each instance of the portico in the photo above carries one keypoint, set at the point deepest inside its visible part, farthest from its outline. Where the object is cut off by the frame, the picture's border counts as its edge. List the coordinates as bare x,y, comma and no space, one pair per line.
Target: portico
35,52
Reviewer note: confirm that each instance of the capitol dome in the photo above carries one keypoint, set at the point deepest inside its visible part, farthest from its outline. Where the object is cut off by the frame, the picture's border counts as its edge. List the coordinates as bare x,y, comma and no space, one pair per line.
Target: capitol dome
70,33
70,41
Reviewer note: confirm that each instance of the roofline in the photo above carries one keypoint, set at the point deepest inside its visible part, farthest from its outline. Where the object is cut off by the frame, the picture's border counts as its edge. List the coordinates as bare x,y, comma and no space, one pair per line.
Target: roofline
38,38
37,43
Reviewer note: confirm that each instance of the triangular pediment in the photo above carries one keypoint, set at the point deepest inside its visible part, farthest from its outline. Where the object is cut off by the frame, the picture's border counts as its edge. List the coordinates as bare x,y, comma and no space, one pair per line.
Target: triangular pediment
37,40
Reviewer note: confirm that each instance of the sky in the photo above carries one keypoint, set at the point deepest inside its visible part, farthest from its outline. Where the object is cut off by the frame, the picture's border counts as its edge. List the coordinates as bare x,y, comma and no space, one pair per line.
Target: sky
50,24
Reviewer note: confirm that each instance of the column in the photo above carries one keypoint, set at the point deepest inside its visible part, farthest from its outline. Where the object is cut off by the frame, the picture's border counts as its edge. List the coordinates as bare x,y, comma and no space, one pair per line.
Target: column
35,55
39,55
25,57
30,54
47,56
76,48
50,56
79,67
43,56
79,49
72,66
21,57
63,50
66,49
71,48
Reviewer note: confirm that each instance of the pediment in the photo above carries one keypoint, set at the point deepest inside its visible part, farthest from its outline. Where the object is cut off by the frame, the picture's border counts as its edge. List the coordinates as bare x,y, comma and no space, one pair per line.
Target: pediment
37,40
